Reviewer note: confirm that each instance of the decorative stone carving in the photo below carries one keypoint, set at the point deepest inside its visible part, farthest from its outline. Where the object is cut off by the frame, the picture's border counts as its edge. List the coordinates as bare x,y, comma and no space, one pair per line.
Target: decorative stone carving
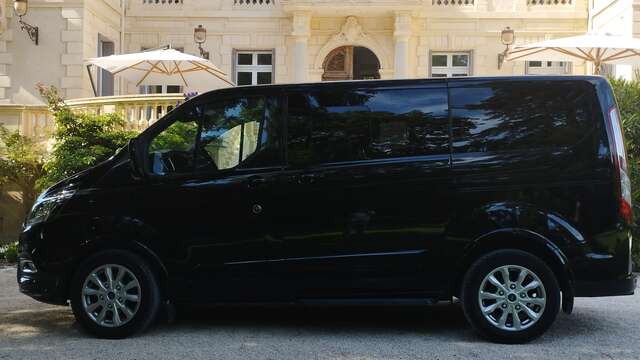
351,30
351,34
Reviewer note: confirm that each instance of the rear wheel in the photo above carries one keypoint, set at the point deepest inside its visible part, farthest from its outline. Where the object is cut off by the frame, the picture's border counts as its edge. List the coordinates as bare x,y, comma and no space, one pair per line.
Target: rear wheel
115,294
510,296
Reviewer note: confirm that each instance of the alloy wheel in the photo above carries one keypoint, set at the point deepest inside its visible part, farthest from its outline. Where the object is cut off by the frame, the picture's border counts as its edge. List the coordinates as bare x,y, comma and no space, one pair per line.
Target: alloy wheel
512,298
111,295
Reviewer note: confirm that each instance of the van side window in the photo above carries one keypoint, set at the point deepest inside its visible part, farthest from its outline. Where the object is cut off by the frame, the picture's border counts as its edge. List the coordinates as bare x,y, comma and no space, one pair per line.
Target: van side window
519,116
172,150
237,132
326,127
348,125
408,123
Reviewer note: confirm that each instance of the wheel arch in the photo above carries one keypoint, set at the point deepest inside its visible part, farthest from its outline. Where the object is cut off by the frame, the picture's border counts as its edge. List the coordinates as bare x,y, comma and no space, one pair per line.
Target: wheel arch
139,249
525,240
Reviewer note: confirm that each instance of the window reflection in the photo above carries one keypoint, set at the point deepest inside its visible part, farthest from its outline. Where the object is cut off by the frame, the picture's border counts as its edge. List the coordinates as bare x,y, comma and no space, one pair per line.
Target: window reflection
349,125
230,132
512,116
172,150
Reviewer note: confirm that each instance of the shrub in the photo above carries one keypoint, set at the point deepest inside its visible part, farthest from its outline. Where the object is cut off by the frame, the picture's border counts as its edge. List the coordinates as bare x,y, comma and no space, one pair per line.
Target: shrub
21,163
9,252
81,139
628,97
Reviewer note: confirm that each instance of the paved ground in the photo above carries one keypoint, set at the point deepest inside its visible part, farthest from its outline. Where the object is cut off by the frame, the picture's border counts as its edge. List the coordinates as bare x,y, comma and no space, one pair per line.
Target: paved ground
604,328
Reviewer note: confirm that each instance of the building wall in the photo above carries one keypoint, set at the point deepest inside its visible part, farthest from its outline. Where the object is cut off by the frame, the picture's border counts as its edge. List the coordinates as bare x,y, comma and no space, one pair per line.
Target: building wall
223,36
70,30
22,57
68,33
101,20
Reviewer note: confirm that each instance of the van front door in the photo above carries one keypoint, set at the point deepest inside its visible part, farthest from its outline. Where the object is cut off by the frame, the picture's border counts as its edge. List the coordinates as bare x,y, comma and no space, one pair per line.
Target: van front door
213,240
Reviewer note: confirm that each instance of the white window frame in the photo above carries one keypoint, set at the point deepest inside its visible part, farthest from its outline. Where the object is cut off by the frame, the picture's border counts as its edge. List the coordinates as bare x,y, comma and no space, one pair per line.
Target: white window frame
549,68
449,70
254,68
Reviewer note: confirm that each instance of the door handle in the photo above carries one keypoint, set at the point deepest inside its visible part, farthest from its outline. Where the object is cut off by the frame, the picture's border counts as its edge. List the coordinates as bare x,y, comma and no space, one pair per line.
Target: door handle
306,179
255,181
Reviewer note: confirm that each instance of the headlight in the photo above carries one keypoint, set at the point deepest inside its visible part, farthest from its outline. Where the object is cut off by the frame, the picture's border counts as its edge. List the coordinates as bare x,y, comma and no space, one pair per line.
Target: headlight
45,206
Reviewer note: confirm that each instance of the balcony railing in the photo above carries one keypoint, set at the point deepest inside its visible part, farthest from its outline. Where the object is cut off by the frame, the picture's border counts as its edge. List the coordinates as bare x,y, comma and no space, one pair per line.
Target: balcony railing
138,112
253,3
34,121
162,2
452,2
548,2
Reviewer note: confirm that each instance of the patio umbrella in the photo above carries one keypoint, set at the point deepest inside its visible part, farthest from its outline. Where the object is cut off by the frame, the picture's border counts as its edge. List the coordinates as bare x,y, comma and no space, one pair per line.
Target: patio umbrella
164,67
593,47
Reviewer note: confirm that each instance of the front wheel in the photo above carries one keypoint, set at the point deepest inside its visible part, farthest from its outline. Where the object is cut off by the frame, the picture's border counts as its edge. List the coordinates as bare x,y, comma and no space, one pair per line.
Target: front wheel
114,295
510,296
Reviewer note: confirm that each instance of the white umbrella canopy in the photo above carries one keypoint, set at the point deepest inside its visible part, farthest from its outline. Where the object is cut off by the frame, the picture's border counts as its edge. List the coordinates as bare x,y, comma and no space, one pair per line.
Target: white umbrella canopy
593,47
165,67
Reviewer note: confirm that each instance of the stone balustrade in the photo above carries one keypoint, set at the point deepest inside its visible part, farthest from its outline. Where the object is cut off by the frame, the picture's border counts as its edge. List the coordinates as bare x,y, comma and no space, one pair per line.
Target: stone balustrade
138,111
34,121
162,2
253,3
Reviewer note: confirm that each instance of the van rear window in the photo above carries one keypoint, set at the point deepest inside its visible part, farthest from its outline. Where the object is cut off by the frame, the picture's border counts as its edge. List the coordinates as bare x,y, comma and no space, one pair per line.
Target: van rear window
521,115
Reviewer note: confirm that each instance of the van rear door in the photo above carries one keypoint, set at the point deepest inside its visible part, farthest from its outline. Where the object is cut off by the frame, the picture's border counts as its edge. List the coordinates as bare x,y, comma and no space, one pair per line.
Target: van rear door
521,148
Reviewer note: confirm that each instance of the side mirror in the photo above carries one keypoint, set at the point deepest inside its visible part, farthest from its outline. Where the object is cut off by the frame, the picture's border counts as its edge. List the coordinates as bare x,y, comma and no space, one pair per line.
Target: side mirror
135,159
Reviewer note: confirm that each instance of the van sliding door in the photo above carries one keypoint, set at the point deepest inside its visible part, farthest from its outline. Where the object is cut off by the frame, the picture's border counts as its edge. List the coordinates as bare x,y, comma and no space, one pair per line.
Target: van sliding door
365,198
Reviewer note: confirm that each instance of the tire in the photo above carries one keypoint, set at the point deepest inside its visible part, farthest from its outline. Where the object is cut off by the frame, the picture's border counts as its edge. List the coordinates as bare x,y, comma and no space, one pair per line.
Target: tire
119,308
542,302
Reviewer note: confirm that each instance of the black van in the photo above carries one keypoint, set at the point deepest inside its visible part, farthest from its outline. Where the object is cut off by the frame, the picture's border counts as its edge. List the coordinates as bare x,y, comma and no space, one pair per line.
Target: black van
510,194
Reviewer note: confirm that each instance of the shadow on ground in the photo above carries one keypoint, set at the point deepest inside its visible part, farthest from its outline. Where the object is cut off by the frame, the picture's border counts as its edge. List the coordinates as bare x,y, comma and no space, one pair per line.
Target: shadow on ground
444,320
419,319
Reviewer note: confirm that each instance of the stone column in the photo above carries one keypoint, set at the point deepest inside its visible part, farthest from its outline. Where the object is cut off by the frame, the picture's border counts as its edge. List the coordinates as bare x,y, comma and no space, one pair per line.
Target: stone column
301,33
401,35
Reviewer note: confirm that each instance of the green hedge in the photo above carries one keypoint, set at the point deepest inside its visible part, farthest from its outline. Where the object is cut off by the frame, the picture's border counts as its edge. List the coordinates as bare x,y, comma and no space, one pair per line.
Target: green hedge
628,96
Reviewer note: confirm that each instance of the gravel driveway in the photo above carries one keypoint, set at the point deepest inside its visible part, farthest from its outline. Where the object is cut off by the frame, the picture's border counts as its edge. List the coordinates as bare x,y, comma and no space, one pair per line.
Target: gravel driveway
601,328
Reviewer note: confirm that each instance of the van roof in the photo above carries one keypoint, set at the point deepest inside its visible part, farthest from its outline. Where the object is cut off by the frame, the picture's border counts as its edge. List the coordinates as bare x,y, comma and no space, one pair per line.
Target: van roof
412,82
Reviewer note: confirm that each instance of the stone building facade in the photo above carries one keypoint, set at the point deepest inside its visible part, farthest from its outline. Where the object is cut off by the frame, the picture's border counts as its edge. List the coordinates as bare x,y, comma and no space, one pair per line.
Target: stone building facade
411,38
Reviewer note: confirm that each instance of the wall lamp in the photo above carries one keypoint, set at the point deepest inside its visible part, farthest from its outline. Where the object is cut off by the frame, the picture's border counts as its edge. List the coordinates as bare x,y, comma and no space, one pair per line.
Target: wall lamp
200,36
21,7
508,38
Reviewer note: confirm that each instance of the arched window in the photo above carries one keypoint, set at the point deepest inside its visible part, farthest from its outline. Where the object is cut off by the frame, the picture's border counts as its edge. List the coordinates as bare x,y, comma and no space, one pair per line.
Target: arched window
351,63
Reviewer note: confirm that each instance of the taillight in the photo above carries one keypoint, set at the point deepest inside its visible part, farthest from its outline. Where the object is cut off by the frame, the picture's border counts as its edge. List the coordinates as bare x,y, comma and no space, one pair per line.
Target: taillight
620,162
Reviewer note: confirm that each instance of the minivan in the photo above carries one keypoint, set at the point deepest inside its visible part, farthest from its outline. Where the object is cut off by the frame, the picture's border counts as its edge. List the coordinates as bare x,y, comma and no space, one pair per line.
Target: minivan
510,194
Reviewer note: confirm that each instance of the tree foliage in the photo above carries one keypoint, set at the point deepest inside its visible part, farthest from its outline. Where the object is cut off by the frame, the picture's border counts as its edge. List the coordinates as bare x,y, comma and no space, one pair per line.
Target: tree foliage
179,136
21,163
81,139
628,97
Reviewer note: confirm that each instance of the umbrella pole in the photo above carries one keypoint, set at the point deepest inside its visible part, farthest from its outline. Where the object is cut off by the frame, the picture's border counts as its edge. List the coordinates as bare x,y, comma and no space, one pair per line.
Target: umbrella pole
596,68
93,84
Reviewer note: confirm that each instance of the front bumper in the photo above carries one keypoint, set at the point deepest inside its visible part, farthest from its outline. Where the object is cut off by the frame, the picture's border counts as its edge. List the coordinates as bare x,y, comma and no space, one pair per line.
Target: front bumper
45,287
617,287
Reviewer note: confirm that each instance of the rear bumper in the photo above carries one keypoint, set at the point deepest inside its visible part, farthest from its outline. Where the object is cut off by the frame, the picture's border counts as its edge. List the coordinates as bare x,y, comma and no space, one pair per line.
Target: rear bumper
617,287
